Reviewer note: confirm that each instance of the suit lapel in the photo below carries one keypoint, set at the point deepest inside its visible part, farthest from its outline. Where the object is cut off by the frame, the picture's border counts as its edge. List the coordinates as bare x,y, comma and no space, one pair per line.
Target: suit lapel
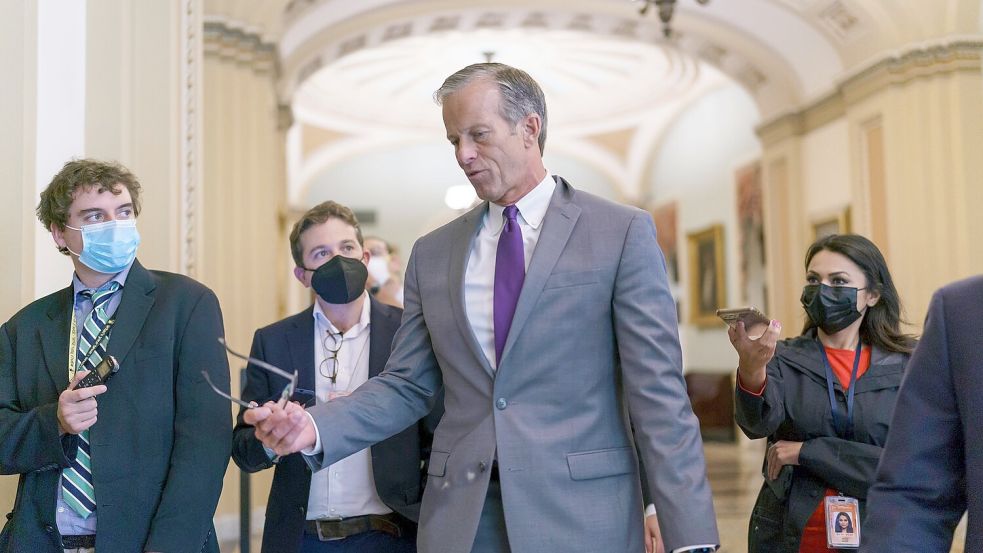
464,238
300,344
53,334
561,217
138,298
381,330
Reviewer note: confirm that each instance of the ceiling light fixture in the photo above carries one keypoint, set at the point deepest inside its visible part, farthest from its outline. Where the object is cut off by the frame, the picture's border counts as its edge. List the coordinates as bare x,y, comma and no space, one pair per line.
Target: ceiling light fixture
665,8
460,197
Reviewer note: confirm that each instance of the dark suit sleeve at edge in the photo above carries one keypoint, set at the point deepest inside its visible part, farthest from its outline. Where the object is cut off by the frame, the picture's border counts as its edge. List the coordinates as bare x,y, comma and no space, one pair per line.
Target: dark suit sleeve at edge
917,498
202,431
29,440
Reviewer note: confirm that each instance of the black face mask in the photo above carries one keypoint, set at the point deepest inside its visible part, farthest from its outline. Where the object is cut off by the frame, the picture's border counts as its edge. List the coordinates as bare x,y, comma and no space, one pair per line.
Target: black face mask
341,280
831,308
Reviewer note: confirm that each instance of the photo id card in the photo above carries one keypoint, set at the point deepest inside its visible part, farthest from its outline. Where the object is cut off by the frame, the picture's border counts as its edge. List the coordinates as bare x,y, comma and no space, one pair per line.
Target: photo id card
842,522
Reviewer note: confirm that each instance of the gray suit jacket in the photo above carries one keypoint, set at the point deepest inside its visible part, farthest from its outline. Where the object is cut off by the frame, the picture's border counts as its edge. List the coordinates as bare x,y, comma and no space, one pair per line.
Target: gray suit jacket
593,340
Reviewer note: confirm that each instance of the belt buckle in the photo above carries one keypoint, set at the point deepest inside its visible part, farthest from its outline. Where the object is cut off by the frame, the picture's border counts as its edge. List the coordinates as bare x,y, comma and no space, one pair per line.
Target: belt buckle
320,533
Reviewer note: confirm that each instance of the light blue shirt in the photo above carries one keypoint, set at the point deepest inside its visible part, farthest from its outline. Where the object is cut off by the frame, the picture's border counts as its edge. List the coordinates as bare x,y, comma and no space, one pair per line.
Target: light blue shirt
69,522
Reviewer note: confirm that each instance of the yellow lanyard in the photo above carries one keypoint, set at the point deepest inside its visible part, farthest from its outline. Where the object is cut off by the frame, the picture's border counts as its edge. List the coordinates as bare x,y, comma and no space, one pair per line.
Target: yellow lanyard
73,341
72,348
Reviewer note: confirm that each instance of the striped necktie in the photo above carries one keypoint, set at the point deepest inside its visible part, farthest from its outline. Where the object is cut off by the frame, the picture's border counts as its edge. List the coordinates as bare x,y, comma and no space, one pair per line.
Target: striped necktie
76,479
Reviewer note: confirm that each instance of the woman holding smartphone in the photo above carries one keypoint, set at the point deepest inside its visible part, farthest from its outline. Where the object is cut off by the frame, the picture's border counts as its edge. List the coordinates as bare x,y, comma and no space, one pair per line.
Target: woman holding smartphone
823,399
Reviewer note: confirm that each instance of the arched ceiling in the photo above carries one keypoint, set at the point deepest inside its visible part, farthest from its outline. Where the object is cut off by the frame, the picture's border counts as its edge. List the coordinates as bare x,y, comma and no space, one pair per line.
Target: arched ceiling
359,75
319,35
592,84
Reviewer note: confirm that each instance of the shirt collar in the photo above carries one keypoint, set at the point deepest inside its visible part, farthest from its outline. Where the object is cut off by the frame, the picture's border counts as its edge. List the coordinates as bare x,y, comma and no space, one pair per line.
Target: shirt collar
532,206
119,277
321,320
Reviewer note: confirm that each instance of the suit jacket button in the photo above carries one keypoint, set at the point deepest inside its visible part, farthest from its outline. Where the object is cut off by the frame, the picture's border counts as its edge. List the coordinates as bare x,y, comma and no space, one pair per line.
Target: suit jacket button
49,528
301,509
501,403
482,466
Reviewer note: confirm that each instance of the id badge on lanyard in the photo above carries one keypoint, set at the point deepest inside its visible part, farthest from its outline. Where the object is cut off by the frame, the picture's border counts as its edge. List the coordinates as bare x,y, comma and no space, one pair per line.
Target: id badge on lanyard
842,522
842,512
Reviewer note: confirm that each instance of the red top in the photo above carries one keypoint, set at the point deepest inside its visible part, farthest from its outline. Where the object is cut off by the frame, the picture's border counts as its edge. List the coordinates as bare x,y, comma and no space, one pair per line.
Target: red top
814,533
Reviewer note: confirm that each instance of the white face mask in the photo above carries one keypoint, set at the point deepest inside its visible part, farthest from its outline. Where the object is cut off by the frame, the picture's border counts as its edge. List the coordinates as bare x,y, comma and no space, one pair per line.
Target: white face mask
379,269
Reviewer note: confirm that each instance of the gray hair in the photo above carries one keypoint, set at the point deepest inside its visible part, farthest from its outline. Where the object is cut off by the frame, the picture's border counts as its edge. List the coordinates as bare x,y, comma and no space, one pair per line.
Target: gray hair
521,95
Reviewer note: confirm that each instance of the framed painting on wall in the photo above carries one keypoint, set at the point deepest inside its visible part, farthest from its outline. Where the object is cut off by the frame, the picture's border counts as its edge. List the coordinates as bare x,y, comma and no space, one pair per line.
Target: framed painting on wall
835,223
707,286
752,288
664,217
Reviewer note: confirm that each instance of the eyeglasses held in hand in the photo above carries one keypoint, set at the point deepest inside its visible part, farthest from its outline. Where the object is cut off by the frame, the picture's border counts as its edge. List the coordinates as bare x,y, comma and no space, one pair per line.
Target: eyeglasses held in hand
288,390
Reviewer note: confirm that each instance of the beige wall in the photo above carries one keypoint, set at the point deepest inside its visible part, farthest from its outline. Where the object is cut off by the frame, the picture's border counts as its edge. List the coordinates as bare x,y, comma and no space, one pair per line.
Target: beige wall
898,144
18,30
243,247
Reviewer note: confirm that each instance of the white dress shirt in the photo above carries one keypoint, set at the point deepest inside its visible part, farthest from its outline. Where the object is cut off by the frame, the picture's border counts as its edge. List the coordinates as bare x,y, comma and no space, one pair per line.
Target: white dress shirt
479,279
346,488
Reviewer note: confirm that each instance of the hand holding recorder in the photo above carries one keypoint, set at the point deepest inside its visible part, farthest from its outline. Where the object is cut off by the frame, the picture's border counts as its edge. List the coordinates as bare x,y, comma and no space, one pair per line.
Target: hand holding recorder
77,407
754,337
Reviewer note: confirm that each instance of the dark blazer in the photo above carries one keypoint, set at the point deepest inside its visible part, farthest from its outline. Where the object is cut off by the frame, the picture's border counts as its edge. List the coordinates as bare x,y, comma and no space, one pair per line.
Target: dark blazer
795,406
161,445
397,463
932,468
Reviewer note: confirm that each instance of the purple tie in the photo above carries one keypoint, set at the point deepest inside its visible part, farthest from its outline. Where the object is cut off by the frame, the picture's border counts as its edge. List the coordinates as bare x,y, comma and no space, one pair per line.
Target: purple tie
510,271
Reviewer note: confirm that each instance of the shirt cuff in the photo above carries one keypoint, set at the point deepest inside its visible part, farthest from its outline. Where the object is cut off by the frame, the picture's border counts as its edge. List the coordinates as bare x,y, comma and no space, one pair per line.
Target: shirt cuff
753,393
317,449
649,510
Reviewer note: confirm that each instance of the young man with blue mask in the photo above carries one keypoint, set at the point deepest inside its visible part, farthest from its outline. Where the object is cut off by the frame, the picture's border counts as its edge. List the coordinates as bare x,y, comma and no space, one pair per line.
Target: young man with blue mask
136,461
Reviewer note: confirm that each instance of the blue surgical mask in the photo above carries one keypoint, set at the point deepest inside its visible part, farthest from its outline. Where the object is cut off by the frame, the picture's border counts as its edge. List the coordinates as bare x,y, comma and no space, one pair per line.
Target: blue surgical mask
109,247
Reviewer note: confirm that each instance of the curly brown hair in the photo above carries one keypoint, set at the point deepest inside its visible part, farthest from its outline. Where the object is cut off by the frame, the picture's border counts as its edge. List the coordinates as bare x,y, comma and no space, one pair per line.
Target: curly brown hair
317,215
82,174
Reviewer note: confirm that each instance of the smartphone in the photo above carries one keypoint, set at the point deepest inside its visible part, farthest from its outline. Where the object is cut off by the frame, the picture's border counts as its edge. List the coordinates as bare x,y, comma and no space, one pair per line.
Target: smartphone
99,375
750,315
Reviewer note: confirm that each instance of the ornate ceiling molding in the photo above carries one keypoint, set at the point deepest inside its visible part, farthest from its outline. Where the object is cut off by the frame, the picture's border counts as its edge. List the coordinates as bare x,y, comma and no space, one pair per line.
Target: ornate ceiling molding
191,124
229,41
894,69
298,69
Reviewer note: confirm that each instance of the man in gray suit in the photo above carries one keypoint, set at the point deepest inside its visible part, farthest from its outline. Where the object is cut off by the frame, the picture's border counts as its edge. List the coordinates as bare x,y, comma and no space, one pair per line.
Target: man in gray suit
545,315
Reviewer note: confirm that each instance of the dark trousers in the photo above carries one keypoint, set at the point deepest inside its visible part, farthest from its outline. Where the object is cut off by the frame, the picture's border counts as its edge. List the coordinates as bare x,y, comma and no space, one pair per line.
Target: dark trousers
366,542
491,536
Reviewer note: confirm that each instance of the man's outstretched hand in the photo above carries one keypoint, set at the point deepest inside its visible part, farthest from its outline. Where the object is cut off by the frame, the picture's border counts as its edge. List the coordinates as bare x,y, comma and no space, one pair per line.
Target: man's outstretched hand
285,429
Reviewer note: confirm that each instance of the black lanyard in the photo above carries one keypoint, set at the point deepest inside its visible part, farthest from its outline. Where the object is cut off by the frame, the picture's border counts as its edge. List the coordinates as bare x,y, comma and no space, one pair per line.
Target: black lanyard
844,429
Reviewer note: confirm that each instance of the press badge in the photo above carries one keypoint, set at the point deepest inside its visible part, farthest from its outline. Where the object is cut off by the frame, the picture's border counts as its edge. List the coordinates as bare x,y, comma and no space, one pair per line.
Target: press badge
842,522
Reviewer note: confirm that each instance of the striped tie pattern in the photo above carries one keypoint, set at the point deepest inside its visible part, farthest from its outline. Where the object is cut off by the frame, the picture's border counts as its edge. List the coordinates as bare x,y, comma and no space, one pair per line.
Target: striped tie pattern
76,480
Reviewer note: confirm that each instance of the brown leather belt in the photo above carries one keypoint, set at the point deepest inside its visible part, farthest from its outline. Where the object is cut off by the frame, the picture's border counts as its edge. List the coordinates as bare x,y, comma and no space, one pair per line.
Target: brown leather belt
78,542
342,528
